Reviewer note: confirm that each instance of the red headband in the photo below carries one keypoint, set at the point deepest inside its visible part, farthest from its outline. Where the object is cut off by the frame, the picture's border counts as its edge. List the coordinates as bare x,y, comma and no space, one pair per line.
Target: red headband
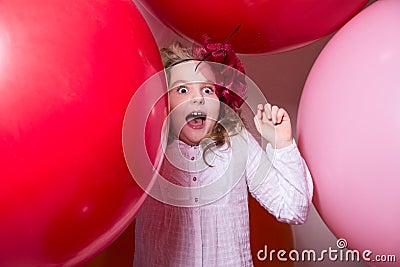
233,87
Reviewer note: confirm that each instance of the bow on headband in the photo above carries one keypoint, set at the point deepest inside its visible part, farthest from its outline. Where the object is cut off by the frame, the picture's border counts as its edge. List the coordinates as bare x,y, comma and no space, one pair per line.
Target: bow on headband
230,75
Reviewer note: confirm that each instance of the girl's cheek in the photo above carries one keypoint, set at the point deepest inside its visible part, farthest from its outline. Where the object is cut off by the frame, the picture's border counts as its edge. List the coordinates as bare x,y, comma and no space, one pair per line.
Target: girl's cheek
172,105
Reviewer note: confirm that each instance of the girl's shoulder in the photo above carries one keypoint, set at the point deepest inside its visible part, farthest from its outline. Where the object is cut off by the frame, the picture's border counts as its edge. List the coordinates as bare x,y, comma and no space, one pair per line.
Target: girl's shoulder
244,135
242,140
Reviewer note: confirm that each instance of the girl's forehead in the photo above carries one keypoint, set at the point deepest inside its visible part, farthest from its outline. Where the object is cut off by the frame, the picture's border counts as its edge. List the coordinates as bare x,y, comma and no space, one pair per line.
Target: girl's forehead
191,72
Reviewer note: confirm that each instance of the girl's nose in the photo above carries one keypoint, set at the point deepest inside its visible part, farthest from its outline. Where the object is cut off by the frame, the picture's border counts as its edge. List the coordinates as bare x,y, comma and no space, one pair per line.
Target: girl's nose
197,97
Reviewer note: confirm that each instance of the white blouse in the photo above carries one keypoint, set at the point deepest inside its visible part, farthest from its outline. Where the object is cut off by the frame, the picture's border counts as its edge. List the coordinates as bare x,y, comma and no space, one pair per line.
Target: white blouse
198,215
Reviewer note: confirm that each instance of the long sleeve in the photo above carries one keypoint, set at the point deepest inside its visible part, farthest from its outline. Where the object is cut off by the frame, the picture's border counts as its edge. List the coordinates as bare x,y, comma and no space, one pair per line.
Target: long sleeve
280,181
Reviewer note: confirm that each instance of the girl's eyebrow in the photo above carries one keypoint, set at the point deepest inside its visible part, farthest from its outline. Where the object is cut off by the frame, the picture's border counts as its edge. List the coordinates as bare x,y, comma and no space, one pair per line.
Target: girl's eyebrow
181,82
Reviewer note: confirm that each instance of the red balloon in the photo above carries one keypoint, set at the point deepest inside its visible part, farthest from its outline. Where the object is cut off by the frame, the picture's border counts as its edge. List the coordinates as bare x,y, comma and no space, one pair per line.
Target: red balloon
68,69
266,25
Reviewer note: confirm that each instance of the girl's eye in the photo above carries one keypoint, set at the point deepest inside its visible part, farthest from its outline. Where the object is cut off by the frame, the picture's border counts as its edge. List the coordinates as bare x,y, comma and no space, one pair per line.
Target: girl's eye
182,90
208,90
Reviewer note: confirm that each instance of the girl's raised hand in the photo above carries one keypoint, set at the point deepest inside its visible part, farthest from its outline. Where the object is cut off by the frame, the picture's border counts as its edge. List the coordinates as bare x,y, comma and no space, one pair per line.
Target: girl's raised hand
273,123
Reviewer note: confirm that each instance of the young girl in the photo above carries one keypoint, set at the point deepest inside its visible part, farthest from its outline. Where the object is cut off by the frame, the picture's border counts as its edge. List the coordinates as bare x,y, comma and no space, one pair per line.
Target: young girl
211,162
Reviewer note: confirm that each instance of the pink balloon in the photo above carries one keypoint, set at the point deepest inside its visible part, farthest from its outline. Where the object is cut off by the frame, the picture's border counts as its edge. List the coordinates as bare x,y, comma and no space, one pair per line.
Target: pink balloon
349,129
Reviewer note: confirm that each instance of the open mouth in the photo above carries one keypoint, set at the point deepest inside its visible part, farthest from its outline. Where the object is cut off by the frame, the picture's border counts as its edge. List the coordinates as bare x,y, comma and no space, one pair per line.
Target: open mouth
196,119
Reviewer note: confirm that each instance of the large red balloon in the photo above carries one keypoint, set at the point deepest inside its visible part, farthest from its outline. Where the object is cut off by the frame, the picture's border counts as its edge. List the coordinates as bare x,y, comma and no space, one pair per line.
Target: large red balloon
68,69
266,25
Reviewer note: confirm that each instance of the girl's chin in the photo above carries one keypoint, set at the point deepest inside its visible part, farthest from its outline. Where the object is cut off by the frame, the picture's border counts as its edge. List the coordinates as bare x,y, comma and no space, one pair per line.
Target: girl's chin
193,141
193,138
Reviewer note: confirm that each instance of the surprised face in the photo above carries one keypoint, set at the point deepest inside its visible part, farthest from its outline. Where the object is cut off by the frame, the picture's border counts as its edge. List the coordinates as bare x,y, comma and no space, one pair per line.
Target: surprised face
194,105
